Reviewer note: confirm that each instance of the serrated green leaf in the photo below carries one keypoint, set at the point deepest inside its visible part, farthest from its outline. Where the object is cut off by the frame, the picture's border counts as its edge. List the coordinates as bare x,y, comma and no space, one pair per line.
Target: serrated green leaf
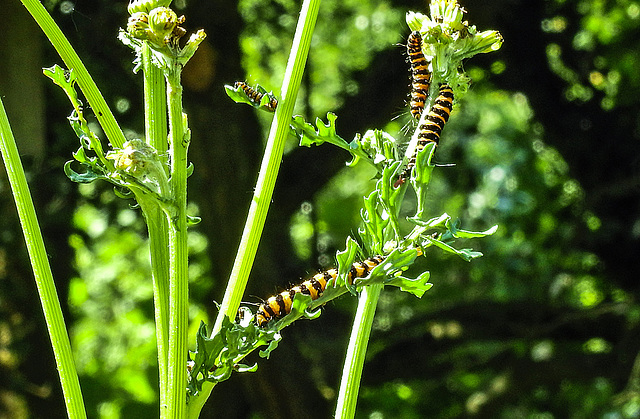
374,224
451,232
478,43
206,350
211,346
246,368
391,200
81,156
193,220
306,132
345,259
466,254
238,95
389,195
423,168
466,234
300,307
122,193
87,177
469,254
221,373
273,344
321,133
397,261
329,129
217,357
421,176
66,79
417,286
436,222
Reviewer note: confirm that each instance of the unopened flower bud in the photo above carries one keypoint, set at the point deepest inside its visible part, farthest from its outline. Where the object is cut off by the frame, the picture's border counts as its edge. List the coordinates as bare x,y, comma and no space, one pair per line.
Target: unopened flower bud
146,5
139,160
162,21
138,26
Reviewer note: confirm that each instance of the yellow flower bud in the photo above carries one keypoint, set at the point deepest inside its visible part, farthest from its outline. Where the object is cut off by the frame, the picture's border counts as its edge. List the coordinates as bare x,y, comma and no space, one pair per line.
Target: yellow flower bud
162,21
138,26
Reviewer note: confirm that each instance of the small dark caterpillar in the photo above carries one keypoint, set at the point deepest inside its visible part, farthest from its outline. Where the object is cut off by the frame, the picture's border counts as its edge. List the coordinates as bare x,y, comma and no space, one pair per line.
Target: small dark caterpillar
420,75
279,305
430,129
256,97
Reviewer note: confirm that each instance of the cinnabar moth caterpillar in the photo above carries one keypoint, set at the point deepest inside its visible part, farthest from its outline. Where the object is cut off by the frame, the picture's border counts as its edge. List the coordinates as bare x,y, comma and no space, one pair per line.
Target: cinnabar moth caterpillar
279,305
420,75
430,129
256,97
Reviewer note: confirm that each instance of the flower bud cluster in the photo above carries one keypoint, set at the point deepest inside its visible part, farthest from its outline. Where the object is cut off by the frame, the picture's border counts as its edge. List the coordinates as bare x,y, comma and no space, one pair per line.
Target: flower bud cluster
160,26
138,161
154,24
448,39
146,5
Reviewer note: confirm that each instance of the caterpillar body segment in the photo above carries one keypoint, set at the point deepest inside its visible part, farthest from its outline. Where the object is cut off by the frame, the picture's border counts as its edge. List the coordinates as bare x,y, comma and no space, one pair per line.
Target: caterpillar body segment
430,129
256,96
420,74
279,305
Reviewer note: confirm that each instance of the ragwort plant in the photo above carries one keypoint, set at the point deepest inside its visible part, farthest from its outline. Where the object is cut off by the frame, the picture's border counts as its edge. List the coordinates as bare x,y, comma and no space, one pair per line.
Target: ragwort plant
446,40
154,172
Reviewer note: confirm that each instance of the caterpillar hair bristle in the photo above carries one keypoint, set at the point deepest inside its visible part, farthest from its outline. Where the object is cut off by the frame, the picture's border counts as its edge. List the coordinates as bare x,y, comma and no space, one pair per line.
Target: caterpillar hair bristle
256,97
279,305
430,130
420,74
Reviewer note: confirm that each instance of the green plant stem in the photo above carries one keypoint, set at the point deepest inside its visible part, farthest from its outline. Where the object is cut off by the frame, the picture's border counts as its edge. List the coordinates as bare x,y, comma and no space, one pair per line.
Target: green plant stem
155,103
72,61
178,253
266,179
356,351
155,111
41,271
158,249
270,163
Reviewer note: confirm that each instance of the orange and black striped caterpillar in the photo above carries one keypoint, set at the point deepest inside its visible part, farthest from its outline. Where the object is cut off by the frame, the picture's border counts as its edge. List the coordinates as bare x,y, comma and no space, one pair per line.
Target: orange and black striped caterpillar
430,129
279,305
256,97
420,75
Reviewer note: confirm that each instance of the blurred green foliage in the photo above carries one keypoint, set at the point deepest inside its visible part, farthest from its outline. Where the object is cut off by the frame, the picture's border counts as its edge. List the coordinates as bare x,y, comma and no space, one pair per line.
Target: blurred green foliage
365,28
113,335
601,32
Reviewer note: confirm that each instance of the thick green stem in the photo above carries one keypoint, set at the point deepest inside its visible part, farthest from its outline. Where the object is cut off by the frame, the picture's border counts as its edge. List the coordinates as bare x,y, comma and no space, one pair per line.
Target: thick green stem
155,103
270,163
158,248
266,179
41,271
356,352
155,106
178,256
72,61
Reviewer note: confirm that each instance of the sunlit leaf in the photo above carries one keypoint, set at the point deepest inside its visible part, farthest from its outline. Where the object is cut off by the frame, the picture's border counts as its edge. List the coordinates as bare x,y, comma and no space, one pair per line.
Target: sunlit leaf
310,135
417,286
